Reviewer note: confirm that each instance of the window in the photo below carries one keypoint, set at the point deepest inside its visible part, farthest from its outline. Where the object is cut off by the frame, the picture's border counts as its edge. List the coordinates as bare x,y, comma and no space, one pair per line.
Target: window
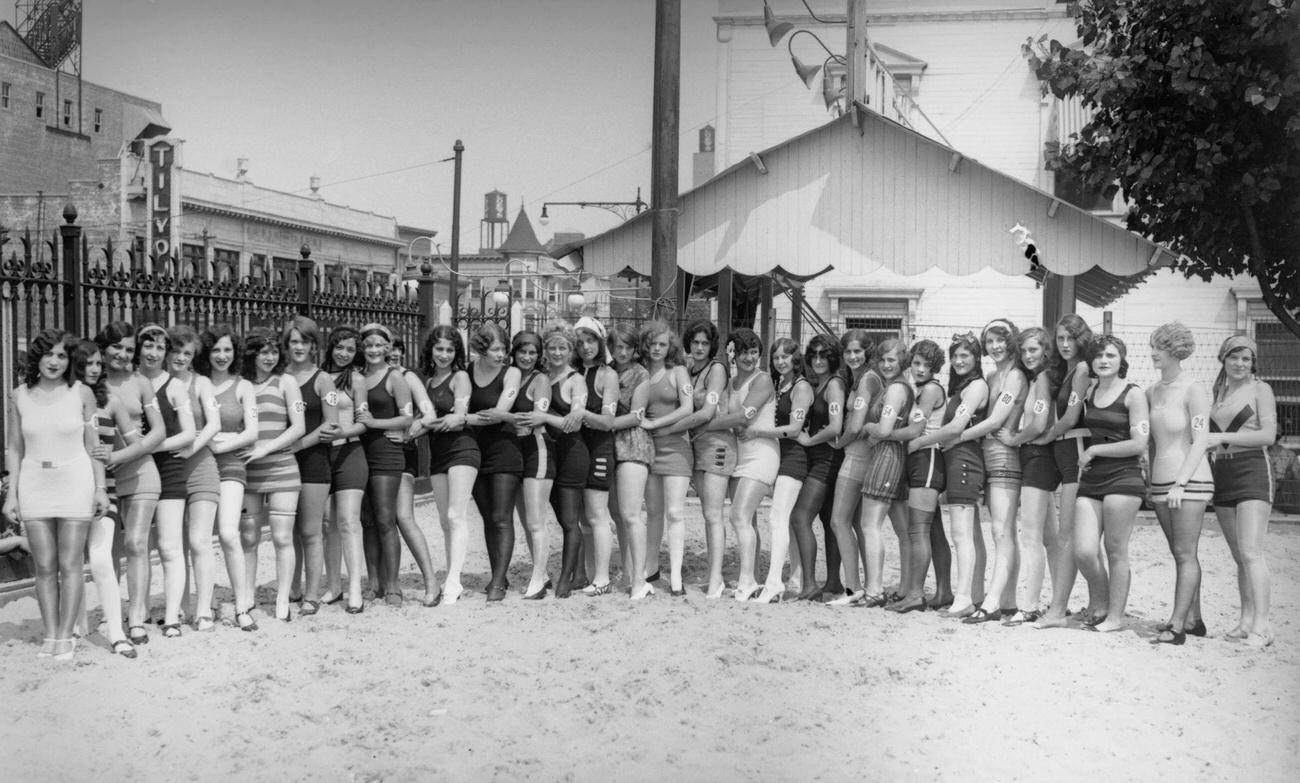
257,269
1279,364
193,262
40,105
284,272
99,120
67,114
226,263
888,313
4,95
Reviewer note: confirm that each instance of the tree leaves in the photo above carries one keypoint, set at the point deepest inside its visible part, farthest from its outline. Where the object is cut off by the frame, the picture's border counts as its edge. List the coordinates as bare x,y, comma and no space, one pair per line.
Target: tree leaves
1197,117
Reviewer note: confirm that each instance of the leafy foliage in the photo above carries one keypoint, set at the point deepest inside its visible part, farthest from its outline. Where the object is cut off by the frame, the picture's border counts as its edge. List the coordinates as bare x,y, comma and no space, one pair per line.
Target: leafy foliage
1197,117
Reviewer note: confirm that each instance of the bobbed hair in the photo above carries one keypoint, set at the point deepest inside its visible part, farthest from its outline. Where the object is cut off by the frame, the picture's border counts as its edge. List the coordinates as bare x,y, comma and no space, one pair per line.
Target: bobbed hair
831,347
930,353
441,332
652,330
744,340
337,335
1100,344
42,344
787,346
1174,339
257,340
306,327
708,328
490,332
208,340
80,355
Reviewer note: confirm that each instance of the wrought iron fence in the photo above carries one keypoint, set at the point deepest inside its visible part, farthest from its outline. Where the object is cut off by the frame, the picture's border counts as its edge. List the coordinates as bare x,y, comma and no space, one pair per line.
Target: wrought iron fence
81,289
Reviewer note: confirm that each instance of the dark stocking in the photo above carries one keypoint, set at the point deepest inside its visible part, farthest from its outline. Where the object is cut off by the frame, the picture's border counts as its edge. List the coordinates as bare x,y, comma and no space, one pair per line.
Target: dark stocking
494,495
383,503
567,503
812,496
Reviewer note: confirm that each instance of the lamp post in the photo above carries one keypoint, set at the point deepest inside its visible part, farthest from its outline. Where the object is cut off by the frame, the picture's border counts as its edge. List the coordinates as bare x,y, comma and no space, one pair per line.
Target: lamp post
410,245
624,209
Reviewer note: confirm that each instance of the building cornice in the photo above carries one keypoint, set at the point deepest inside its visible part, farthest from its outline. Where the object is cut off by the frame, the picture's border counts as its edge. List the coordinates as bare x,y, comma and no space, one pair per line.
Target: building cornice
272,220
900,17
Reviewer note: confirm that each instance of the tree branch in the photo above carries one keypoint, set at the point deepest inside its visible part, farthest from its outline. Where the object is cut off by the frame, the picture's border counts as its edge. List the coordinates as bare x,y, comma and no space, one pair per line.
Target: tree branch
1259,270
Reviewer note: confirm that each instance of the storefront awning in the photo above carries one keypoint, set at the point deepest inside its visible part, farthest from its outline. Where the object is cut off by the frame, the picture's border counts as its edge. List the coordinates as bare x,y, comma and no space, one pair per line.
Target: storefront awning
873,196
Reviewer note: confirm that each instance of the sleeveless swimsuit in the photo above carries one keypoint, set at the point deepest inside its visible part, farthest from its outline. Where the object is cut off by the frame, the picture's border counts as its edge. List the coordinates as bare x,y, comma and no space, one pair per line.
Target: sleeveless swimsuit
632,444
230,465
277,471
884,479
56,479
794,457
383,456
964,462
448,450
926,467
714,450
534,443
572,462
600,443
1240,472
673,453
498,449
1110,475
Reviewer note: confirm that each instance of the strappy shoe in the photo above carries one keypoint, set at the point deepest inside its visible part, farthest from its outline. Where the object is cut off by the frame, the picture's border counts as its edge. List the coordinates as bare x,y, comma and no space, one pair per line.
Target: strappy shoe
594,590
171,631
124,648
137,638
309,608
250,626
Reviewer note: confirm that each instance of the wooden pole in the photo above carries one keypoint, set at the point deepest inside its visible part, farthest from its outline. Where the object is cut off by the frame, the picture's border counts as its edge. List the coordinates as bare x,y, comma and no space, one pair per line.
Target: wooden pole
663,157
453,291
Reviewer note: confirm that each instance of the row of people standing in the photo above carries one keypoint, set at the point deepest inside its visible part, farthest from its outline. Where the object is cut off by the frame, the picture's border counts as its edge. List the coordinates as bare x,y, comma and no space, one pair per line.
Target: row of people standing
211,430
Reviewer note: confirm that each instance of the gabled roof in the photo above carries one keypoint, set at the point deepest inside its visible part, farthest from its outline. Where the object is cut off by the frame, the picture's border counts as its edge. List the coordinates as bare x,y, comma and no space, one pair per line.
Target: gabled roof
522,238
14,45
869,195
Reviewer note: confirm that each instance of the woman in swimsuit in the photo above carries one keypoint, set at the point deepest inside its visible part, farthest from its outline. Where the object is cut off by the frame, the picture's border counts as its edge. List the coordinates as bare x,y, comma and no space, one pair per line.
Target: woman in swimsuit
714,447
300,341
864,384
1038,532
539,456
202,479
597,421
1007,390
1180,482
453,452
794,396
237,403
56,486
1111,485
884,484
349,472
669,400
406,524
634,452
758,457
964,469
816,495
1074,349
169,516
1243,423
572,462
104,533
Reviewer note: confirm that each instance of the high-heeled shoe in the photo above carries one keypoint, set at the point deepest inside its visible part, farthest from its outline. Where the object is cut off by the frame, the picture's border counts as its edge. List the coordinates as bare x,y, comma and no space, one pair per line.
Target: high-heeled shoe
288,616
1196,629
645,592
593,590
773,597
747,594
537,596
250,626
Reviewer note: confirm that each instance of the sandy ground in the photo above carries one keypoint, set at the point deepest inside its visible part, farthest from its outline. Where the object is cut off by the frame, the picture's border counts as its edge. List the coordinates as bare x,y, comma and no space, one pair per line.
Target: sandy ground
668,688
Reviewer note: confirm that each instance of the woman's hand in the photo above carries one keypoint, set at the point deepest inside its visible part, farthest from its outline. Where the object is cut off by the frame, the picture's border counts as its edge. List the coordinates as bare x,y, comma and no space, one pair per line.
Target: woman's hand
329,432
1004,436
1175,498
11,507
255,453
102,503
1085,459
363,416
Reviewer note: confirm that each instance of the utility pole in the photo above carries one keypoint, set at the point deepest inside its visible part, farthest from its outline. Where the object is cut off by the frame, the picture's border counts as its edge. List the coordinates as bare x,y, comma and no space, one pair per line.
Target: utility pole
663,158
453,290
855,50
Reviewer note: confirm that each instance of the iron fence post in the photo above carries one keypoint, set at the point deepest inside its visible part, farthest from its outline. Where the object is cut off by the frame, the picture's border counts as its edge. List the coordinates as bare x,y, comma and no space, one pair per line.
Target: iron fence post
306,282
74,319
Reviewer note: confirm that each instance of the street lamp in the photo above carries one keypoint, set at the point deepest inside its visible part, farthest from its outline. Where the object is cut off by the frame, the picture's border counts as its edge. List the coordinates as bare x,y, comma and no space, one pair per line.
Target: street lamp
624,209
409,245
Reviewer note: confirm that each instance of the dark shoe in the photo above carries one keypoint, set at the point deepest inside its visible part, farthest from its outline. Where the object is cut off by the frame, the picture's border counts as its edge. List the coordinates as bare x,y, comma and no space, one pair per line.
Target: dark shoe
124,648
171,631
537,596
356,609
980,616
902,608
653,577
309,608
1169,636
251,625
1020,618
1004,614
137,638
939,603
813,593
496,593
873,601
1197,630
288,616
333,600
295,599
678,593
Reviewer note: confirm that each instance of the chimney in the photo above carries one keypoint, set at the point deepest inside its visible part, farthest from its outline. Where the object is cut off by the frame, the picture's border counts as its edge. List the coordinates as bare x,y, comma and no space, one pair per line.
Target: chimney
315,186
241,169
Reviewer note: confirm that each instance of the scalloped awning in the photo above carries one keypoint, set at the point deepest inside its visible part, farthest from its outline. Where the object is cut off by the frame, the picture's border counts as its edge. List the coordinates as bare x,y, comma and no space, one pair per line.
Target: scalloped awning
863,198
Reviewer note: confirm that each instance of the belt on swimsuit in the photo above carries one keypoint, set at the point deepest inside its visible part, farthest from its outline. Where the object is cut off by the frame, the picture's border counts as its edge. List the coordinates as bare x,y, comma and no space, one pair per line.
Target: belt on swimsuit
1077,432
1241,451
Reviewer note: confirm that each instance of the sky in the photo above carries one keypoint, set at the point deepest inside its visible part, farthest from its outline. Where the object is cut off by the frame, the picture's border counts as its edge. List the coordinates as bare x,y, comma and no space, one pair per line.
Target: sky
552,98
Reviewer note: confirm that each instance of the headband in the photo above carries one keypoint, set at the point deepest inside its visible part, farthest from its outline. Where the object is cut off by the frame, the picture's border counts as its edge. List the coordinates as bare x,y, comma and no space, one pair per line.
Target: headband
590,324
1237,341
376,328
999,322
